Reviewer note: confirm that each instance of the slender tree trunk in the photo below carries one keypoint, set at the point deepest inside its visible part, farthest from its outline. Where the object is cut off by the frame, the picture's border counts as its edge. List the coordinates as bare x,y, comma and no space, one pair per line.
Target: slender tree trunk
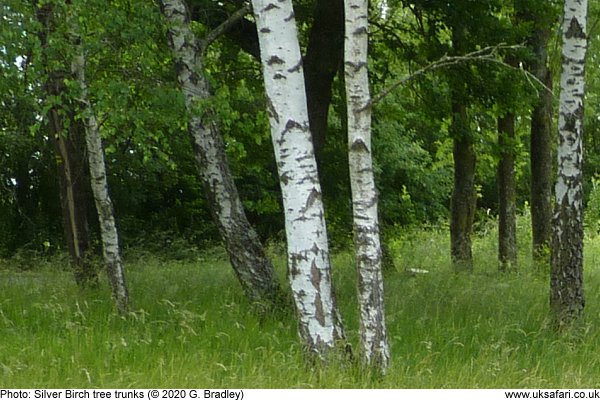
566,284
463,201
507,218
306,233
541,139
373,334
104,206
541,152
250,263
71,163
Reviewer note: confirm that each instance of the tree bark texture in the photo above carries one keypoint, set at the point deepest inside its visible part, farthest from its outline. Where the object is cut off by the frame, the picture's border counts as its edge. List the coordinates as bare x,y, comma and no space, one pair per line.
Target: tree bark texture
254,270
507,193
566,295
67,136
104,206
306,233
541,150
462,207
373,333
541,138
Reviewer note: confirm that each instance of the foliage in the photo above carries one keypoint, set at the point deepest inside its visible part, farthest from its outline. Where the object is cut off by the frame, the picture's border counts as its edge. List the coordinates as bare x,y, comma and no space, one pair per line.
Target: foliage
152,175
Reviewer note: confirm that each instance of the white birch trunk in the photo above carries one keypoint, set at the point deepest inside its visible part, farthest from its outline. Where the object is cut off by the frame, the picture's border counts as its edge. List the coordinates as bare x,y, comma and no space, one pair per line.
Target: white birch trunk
108,229
250,263
373,335
308,253
566,296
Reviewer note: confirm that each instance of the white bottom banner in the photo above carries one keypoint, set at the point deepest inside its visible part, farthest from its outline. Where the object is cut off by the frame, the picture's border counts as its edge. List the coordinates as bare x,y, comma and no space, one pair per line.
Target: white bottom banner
300,394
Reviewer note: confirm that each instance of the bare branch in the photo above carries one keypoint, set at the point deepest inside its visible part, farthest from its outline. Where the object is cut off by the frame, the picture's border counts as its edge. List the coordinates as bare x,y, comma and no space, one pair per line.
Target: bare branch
224,27
487,54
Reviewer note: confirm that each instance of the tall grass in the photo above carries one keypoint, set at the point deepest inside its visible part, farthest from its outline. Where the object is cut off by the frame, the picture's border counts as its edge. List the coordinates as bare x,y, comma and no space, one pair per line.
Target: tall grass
193,328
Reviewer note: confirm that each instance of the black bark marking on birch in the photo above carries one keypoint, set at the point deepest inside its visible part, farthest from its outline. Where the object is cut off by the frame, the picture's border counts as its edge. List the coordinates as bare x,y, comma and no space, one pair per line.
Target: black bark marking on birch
270,7
361,31
319,309
275,60
575,30
359,146
312,197
315,275
285,179
570,123
265,30
356,66
289,17
271,110
579,112
315,249
297,67
291,124
279,76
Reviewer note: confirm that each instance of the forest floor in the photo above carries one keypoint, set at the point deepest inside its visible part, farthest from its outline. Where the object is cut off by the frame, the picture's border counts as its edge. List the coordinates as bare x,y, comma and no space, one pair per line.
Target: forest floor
191,325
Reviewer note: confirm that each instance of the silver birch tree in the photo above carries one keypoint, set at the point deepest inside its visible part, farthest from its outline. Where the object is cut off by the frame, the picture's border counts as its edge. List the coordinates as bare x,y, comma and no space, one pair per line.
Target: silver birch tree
566,293
373,335
308,253
108,229
254,270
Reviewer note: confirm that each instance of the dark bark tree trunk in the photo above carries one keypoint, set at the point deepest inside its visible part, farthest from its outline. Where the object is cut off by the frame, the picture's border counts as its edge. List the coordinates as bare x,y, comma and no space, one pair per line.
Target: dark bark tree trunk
321,63
254,270
541,138
463,201
541,153
566,284
507,216
67,137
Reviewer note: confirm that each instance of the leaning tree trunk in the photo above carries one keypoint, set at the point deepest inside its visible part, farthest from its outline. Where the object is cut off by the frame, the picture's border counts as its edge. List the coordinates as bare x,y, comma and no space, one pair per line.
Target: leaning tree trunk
507,218
566,293
308,253
254,270
70,155
108,229
373,335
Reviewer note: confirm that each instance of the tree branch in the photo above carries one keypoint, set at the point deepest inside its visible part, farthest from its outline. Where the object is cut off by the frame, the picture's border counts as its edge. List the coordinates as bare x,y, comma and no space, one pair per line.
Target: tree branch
487,54
224,27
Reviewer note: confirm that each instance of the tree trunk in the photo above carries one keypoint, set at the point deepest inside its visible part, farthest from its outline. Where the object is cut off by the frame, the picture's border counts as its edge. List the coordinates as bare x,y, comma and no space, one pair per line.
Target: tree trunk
104,206
541,139
306,233
566,285
462,207
507,193
541,151
321,63
250,263
373,334
67,136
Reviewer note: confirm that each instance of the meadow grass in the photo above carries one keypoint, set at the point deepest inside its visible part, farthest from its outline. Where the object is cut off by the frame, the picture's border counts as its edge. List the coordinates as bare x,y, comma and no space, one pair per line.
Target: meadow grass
192,327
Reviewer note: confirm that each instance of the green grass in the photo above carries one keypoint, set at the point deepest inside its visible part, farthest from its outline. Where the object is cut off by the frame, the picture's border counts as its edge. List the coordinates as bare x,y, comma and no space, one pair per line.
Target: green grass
192,327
